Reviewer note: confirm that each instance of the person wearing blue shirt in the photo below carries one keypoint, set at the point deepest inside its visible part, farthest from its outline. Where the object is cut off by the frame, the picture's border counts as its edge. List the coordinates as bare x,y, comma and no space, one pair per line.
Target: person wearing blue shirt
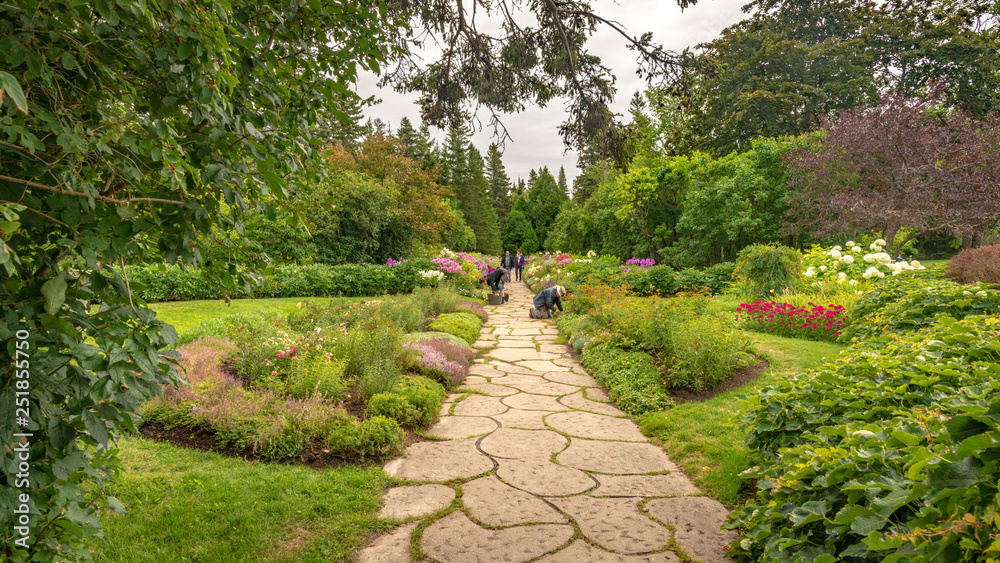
546,300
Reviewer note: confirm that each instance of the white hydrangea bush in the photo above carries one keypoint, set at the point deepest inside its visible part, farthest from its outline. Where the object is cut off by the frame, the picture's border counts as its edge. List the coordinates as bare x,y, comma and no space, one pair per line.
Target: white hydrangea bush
850,264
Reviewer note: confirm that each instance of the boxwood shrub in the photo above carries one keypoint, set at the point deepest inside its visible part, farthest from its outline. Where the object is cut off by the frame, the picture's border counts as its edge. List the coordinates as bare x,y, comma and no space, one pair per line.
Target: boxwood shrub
632,379
463,325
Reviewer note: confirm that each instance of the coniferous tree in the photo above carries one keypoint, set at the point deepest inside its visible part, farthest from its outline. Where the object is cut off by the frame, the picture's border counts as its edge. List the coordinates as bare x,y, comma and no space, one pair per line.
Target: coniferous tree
563,186
543,201
343,125
518,232
408,135
499,184
424,147
482,217
521,188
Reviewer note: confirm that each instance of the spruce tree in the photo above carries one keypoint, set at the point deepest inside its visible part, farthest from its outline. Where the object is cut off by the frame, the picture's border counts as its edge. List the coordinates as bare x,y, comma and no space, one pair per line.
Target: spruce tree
518,232
543,201
563,186
343,125
482,217
408,135
499,184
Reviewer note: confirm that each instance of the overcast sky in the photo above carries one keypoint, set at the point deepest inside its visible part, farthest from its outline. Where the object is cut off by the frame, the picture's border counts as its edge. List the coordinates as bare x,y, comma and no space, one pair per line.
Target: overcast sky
536,141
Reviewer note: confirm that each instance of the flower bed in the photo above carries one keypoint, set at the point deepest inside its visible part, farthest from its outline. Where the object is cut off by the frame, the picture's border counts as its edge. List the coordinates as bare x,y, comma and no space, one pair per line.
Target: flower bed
784,319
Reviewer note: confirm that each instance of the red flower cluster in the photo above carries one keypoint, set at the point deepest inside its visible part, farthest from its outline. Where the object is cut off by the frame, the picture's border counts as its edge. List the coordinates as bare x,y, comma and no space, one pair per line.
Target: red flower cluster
785,319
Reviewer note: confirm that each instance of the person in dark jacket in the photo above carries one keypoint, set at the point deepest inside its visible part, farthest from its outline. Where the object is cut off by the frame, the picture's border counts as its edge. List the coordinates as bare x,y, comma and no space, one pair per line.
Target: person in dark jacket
495,281
518,263
507,261
546,300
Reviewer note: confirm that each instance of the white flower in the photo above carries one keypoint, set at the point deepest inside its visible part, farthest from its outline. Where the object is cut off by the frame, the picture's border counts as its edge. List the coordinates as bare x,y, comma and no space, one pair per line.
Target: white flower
835,253
883,258
916,264
842,276
882,274
591,254
850,243
853,282
982,294
869,258
969,293
848,259
856,249
837,248
870,273
809,272
880,242
874,247
822,268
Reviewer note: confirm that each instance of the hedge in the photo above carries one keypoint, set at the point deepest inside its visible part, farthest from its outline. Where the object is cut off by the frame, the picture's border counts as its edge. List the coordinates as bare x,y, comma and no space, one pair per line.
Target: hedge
154,283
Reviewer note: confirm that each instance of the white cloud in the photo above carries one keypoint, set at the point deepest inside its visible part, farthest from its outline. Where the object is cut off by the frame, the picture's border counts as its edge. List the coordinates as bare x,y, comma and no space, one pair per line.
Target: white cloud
534,132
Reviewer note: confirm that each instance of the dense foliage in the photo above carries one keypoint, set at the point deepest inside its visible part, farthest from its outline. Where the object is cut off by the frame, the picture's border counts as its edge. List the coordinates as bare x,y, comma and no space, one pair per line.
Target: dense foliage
903,163
976,265
888,453
768,270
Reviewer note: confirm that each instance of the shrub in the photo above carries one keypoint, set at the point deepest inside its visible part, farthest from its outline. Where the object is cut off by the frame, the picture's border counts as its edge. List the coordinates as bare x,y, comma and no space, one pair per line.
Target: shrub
653,280
888,453
372,356
976,265
415,402
853,265
377,436
632,379
440,359
432,335
767,270
903,304
474,308
785,319
462,325
318,376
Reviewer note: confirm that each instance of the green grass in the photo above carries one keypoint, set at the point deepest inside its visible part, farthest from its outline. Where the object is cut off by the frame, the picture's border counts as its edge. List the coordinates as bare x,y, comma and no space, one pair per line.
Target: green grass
185,315
704,437
192,506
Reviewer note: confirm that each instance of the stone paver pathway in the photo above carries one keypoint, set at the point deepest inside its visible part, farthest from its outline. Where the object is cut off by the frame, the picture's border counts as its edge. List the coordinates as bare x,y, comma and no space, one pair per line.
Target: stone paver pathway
532,462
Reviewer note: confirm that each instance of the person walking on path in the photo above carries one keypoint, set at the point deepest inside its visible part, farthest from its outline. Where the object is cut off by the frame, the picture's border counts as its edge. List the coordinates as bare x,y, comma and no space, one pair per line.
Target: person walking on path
507,262
546,300
518,263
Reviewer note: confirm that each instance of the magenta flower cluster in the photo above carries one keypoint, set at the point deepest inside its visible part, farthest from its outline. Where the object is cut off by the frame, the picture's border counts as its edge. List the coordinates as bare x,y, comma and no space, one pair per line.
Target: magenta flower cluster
482,266
448,265
638,263
815,322
390,262
563,259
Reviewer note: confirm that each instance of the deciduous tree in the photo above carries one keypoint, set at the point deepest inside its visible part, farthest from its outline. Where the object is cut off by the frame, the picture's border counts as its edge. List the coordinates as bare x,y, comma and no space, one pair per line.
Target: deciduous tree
904,163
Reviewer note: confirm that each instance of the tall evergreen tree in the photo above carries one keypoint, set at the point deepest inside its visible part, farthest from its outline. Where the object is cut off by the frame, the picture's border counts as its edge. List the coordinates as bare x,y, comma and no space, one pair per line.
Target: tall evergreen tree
521,188
518,232
453,161
343,124
424,146
543,201
408,135
481,216
499,184
563,186
532,177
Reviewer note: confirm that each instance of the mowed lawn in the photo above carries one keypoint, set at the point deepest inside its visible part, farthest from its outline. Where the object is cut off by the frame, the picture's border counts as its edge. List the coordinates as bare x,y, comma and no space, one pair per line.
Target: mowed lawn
200,507
186,315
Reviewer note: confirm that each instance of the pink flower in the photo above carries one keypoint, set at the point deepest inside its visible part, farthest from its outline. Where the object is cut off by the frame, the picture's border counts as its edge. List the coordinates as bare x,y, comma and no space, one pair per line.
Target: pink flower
274,373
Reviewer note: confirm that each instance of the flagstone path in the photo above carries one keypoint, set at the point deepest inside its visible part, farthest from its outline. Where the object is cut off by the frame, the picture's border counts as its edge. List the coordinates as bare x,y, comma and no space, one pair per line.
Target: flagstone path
532,462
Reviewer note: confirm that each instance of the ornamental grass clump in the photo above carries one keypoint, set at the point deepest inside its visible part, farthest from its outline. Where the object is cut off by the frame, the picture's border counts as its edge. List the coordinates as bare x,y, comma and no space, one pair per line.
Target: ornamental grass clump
765,270
814,322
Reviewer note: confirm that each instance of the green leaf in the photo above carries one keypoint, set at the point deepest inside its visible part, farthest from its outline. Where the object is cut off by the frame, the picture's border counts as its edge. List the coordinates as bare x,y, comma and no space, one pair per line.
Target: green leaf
69,61
61,434
9,85
184,50
54,292
809,512
107,10
906,438
98,430
116,505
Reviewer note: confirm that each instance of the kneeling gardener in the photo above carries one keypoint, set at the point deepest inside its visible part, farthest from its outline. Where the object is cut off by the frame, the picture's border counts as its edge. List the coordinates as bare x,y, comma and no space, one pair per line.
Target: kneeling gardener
495,281
546,300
